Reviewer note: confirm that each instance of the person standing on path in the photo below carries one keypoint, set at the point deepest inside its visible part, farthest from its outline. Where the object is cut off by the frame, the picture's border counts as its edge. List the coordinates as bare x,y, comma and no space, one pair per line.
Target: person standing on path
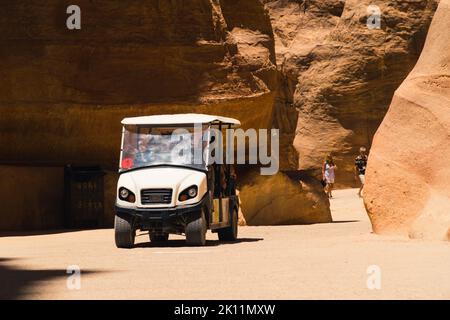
328,175
360,168
303,4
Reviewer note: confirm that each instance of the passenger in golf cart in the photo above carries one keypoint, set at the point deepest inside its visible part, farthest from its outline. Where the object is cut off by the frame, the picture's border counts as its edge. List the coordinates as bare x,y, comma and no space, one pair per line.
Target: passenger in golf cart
170,184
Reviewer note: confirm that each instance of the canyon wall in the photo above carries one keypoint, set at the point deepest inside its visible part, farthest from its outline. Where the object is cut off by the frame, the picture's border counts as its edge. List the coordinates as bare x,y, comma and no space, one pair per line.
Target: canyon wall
338,76
316,72
408,189
282,199
63,92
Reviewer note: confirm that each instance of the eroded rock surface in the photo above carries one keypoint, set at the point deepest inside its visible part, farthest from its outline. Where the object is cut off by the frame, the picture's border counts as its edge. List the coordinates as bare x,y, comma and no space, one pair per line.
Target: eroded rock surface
339,74
282,199
63,93
320,75
408,189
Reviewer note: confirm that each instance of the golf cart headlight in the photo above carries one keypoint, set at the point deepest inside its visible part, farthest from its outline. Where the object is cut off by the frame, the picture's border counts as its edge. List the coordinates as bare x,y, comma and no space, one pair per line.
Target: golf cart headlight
126,195
192,192
188,193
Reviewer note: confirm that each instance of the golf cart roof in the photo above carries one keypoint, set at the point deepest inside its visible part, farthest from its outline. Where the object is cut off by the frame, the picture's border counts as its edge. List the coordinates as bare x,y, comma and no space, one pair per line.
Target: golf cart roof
179,119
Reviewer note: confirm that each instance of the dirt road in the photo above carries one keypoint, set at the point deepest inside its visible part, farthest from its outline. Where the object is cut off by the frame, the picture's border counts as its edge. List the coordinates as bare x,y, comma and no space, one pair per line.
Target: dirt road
327,261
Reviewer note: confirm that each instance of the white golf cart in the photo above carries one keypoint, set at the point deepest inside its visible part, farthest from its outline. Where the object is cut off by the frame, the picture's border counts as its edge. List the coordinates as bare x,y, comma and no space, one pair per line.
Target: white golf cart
168,182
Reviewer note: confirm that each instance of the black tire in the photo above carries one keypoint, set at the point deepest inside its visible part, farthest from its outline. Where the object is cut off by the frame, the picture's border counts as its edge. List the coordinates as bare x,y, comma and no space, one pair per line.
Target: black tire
196,231
124,232
159,237
230,233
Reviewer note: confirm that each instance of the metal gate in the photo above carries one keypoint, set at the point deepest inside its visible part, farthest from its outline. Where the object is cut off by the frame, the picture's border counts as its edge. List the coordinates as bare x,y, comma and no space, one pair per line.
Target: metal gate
83,197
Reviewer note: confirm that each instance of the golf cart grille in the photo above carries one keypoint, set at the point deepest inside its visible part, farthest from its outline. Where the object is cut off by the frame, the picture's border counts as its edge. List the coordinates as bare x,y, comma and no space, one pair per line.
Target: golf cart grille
156,196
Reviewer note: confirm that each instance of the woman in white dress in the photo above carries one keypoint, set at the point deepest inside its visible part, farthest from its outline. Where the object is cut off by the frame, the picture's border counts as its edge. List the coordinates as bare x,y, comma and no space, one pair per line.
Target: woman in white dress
328,174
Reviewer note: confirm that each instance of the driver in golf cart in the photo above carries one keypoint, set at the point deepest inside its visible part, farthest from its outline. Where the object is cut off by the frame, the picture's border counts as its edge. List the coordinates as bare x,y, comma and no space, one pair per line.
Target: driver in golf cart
169,182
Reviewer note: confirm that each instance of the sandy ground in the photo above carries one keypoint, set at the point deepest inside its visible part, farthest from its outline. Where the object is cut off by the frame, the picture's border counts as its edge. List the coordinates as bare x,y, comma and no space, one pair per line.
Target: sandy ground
322,261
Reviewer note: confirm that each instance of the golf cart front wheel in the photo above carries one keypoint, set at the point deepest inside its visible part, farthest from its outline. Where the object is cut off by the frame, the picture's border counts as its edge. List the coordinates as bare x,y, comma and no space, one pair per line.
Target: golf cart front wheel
124,232
196,231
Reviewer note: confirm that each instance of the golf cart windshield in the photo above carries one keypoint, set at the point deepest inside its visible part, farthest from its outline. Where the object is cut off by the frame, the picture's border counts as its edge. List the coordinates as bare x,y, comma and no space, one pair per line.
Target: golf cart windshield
145,146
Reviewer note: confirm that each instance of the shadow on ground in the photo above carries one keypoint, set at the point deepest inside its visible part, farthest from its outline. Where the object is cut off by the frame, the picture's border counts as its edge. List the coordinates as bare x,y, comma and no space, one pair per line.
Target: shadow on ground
345,221
16,283
182,243
42,232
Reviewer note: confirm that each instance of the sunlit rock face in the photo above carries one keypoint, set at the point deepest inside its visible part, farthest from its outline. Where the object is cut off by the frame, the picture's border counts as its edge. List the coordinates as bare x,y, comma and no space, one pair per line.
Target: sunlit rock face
320,75
64,92
408,189
338,75
283,199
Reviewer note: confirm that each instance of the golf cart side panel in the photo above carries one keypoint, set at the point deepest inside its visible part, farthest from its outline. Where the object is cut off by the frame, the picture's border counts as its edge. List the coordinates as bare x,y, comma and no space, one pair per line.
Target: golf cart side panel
223,216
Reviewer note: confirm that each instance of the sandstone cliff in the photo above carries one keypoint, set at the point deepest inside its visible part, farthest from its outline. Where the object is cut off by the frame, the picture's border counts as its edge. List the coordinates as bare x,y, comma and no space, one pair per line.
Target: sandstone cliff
338,76
408,189
283,199
317,73
63,92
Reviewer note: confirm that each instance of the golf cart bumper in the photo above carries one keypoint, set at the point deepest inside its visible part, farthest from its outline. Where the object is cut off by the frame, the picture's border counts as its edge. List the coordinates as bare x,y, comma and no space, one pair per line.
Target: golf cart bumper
156,218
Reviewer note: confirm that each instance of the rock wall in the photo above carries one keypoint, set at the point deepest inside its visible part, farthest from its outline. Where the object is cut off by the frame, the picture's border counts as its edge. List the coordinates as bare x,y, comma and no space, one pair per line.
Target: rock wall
31,196
408,190
283,199
338,76
63,92
317,73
